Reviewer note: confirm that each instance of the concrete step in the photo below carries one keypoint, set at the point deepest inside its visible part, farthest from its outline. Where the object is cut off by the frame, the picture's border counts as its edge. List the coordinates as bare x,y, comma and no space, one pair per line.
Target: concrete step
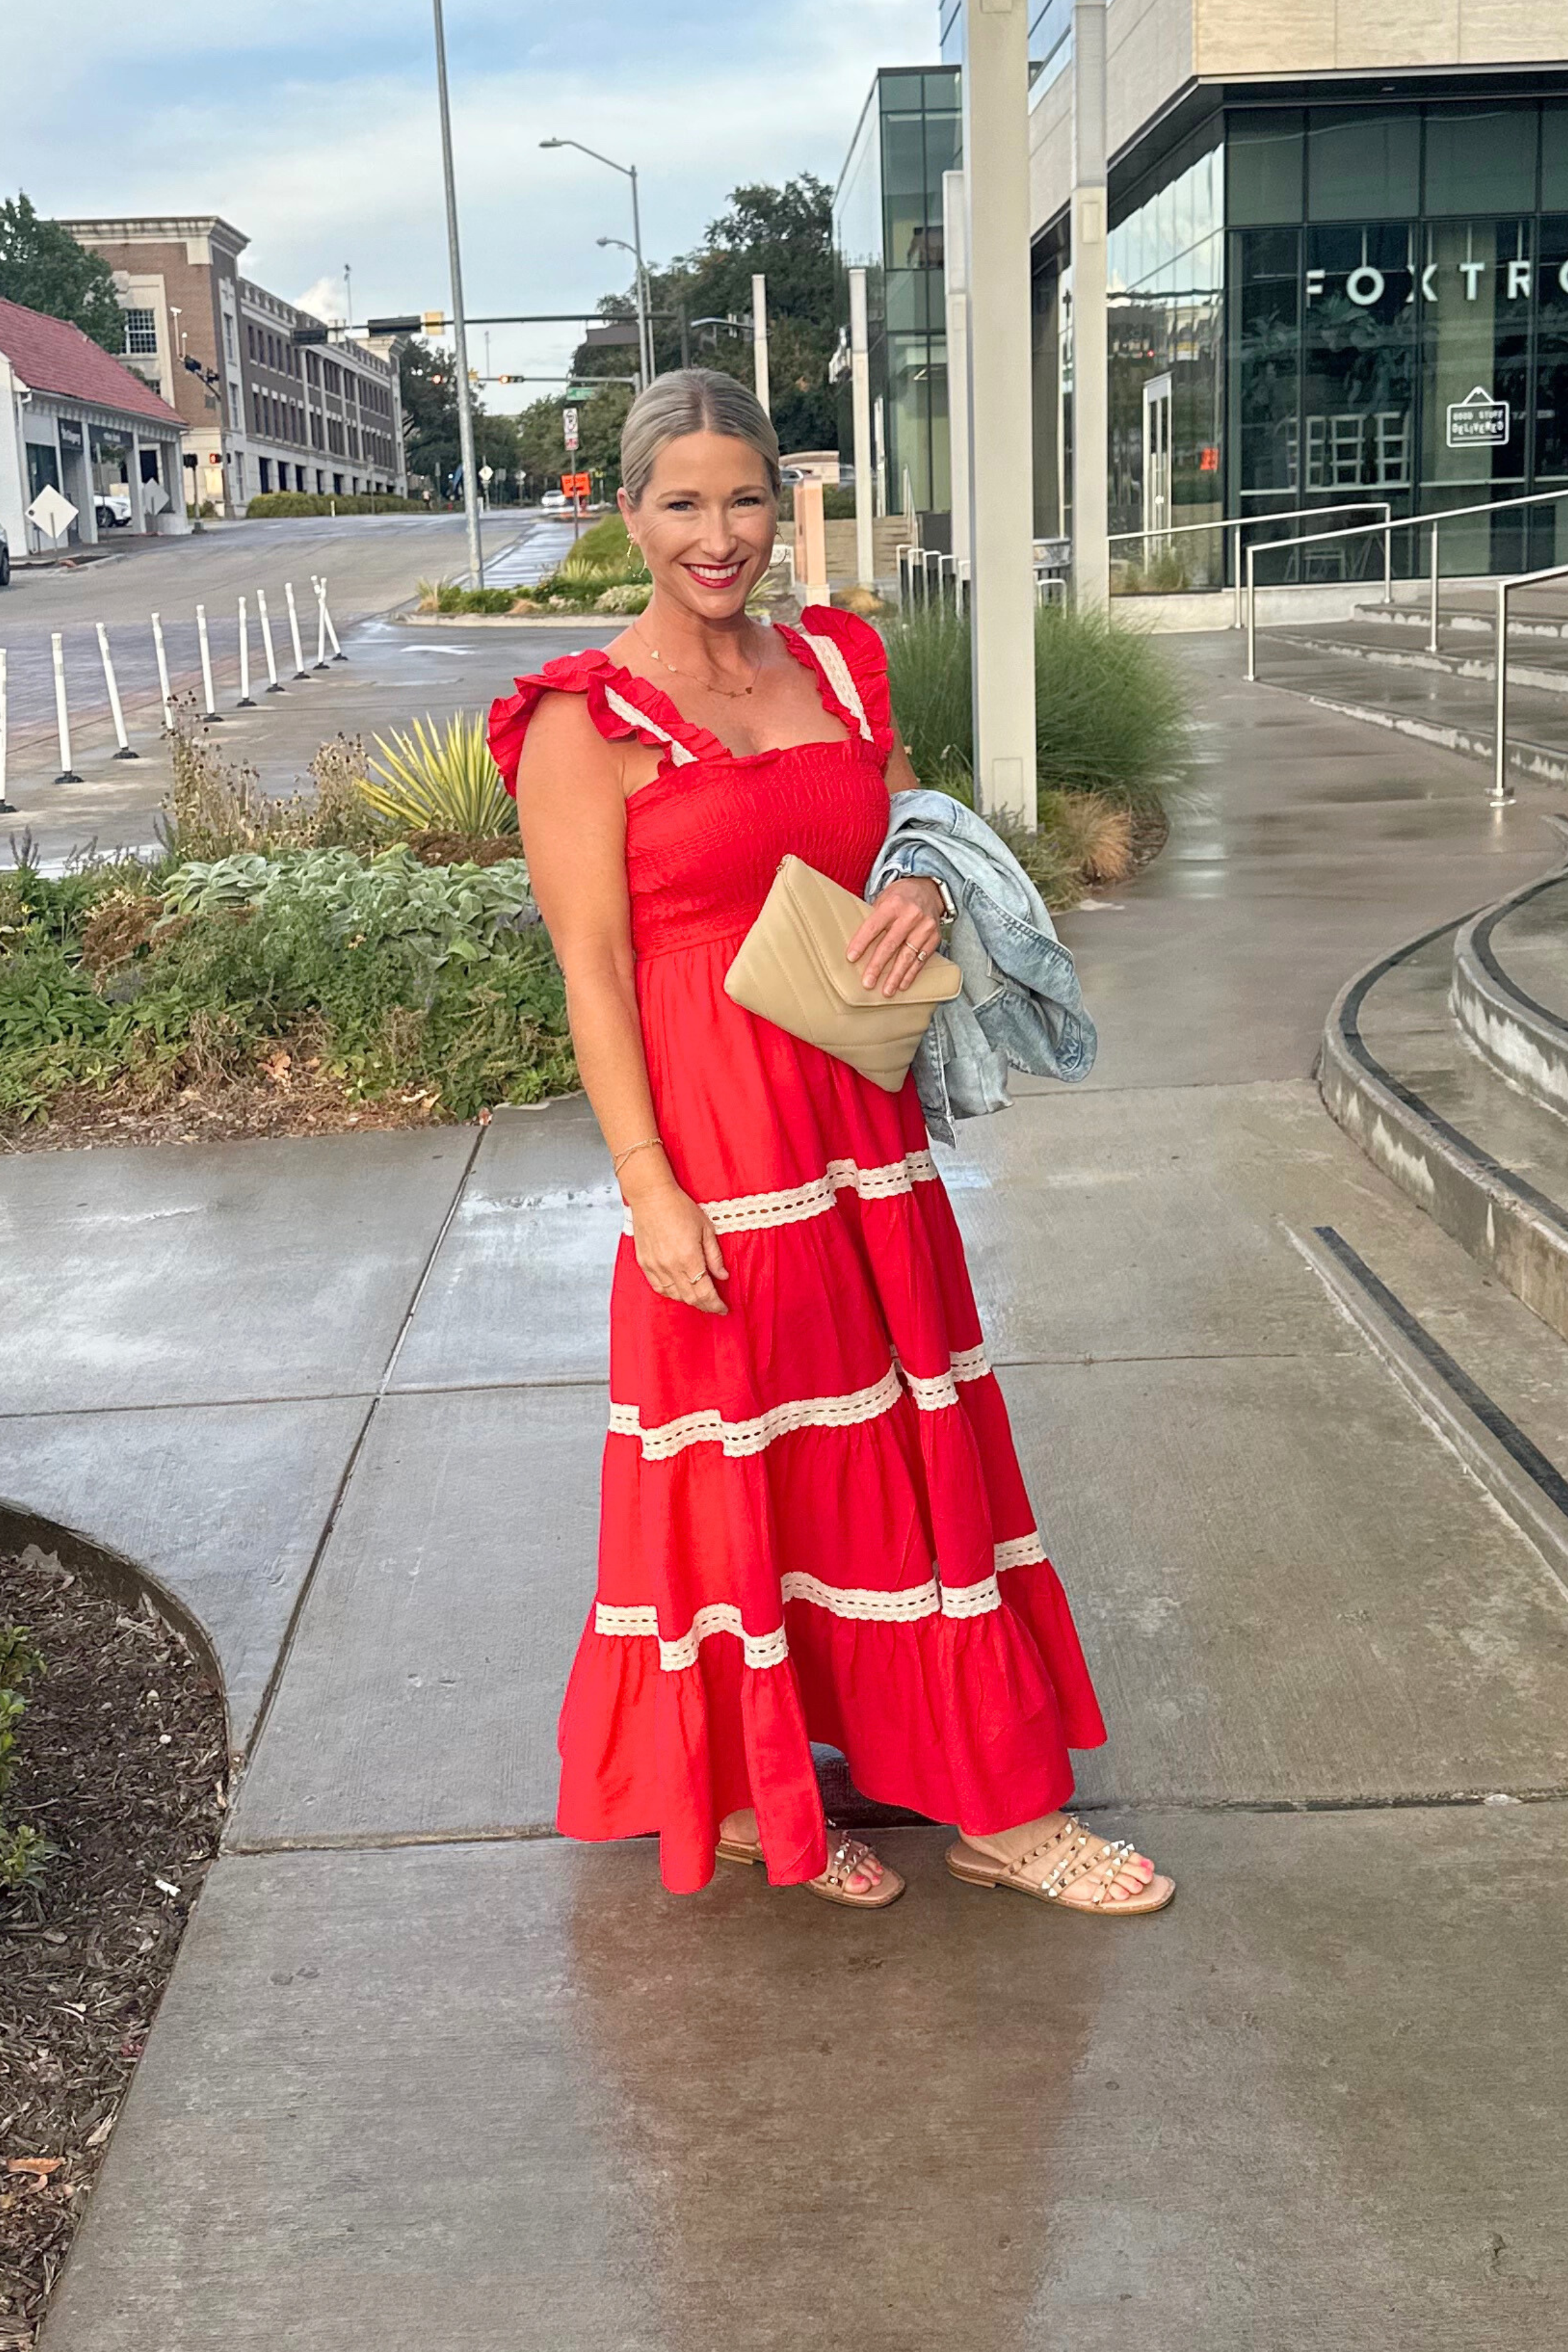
1472,611
1543,666
1501,959
1488,1163
1431,704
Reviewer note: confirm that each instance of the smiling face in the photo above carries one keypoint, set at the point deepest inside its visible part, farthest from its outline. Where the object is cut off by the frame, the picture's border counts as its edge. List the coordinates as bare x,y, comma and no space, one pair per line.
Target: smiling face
706,524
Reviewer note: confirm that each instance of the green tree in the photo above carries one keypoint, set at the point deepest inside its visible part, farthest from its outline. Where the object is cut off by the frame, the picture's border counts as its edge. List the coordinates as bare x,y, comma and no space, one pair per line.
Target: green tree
542,454
43,267
787,233
428,380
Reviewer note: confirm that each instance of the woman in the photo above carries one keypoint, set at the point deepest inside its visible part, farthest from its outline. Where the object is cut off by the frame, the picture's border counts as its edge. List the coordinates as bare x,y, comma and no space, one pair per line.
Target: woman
813,1524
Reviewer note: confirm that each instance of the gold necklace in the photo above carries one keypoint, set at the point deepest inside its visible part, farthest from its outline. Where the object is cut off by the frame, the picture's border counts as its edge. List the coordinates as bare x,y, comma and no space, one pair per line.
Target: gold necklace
732,693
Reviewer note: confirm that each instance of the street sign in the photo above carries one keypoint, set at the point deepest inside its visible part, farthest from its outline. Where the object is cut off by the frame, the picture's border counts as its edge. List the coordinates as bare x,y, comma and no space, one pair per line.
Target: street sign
154,498
1479,422
51,514
408,324
433,322
576,486
568,427
486,474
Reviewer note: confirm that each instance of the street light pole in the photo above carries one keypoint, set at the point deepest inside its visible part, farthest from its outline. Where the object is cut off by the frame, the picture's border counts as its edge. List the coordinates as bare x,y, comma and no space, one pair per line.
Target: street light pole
644,321
460,337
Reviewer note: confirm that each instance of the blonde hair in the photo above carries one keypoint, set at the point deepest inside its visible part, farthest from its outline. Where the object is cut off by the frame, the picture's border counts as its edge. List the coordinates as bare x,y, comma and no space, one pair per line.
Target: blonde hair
693,400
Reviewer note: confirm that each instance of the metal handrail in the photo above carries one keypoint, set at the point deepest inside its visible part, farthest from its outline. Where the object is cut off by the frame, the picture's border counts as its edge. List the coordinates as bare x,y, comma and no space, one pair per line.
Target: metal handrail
1501,793
1356,530
1238,523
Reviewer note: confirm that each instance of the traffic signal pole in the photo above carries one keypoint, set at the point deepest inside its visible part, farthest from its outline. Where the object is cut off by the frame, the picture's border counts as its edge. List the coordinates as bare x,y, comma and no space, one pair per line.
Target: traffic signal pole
465,390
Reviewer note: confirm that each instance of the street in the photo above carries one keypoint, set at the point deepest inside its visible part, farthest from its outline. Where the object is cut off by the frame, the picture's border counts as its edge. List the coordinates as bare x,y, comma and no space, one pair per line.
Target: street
373,564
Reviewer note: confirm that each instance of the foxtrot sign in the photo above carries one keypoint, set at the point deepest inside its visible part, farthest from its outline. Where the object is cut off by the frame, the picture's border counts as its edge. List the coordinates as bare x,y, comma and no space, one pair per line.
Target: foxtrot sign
1477,421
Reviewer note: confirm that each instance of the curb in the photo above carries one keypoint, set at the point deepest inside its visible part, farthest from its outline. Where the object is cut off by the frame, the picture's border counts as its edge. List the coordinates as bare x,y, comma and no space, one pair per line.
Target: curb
1513,1034
1496,1216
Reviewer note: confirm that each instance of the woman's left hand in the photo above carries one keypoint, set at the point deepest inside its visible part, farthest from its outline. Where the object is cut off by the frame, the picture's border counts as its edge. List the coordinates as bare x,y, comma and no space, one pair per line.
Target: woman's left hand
902,929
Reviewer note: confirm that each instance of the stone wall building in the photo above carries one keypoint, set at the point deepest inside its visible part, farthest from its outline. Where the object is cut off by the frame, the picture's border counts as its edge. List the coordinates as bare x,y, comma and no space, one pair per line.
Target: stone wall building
261,411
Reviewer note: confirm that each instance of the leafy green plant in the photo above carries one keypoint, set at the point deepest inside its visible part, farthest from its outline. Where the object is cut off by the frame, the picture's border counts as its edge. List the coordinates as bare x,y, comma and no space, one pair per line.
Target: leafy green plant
1111,711
447,910
217,807
628,598
439,780
23,1849
269,503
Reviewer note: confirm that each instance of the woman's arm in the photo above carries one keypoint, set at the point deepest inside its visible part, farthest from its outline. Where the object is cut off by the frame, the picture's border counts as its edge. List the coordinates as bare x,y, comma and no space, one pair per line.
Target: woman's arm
904,925
571,807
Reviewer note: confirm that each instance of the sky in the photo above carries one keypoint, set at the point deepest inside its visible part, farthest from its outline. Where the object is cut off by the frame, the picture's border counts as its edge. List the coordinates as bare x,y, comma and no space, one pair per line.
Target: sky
313,129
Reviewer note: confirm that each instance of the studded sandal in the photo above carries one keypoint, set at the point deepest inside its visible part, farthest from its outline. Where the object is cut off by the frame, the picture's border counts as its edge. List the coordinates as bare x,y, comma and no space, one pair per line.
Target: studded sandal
1070,1855
846,1856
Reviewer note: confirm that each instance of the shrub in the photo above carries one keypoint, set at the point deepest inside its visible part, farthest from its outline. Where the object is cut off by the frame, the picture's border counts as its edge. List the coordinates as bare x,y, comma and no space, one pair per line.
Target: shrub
439,780
629,597
271,503
23,1850
1112,714
216,807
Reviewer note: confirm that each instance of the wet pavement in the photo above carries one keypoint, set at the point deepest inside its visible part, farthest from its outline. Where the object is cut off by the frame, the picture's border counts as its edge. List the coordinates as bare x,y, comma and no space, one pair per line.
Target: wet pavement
426,2074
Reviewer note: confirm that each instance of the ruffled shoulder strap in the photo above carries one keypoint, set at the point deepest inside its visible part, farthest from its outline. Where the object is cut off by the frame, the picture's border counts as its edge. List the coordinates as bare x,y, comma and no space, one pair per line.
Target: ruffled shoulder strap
853,659
617,704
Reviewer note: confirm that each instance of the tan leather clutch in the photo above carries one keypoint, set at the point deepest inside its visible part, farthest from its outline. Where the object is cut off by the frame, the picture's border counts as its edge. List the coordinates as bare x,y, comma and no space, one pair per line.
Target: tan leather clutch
791,969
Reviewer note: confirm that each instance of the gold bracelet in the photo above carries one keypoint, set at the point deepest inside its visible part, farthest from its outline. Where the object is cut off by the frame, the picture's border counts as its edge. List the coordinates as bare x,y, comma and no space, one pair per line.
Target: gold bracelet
648,1142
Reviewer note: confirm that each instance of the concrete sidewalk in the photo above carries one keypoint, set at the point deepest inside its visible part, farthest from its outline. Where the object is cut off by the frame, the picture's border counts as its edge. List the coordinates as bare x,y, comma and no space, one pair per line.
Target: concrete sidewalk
427,2076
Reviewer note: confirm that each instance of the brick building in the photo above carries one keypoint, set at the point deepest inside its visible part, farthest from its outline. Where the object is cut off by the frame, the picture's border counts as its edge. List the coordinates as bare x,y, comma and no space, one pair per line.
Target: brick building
261,413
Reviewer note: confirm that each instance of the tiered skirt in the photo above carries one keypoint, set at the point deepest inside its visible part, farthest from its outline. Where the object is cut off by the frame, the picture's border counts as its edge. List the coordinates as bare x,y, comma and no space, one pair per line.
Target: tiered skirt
813,1523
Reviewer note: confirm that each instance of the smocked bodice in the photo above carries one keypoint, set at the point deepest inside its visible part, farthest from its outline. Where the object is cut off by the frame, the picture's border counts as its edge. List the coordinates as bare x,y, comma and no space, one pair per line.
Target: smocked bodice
703,839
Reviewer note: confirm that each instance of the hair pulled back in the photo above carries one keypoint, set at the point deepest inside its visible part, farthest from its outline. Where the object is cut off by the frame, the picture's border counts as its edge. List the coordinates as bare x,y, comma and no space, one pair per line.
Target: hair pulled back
693,400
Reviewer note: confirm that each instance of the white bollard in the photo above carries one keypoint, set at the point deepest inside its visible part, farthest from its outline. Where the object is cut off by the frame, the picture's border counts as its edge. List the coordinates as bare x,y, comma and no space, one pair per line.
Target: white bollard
246,700
262,615
120,737
337,653
299,668
320,588
7,808
67,775
211,716
163,676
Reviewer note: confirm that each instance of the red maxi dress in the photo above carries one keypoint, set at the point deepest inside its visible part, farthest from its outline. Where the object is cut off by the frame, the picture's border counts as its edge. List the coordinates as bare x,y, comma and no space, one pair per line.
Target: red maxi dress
813,1525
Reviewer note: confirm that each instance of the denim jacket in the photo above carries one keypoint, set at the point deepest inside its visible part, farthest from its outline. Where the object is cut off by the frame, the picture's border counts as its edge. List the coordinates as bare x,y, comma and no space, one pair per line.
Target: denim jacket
1021,1007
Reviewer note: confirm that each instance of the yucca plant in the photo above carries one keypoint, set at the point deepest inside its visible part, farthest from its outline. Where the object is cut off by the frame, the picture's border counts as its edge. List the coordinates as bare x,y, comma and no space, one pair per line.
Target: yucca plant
439,780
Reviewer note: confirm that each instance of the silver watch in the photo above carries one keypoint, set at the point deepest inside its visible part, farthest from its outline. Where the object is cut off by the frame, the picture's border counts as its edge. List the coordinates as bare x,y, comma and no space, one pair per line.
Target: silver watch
949,908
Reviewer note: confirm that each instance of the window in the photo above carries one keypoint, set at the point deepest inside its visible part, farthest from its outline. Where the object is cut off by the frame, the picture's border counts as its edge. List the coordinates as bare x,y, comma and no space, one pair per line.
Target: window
229,334
1480,158
1362,165
141,332
1264,167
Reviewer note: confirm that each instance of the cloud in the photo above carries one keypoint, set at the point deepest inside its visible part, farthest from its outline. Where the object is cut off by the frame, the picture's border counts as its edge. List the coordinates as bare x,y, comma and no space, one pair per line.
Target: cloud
324,300
338,161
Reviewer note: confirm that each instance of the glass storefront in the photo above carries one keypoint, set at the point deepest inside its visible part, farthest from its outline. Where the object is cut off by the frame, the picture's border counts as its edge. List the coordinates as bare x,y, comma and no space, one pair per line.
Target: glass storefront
1398,321
887,218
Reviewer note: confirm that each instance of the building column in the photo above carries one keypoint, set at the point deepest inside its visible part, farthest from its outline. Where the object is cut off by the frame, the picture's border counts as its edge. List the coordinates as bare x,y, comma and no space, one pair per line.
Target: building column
1002,517
955,292
134,483
1091,357
860,402
760,342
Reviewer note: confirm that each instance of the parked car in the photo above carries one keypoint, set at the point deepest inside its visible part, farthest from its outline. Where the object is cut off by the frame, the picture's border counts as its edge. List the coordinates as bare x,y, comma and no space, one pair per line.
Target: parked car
555,502
113,509
4,559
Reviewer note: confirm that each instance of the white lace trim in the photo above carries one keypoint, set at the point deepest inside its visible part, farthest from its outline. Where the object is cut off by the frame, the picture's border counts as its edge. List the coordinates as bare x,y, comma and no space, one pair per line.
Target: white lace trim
857,1603
707,1426
756,1212
680,754
935,1394
836,670
740,1437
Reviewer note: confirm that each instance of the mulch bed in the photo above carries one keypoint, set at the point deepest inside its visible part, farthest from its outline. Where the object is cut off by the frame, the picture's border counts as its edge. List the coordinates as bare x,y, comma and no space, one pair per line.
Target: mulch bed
122,1764
228,1112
